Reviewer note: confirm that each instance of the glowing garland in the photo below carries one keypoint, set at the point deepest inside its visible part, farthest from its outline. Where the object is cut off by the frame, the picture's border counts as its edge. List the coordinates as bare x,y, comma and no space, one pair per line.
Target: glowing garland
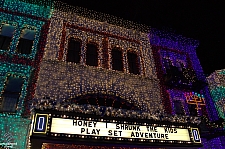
68,106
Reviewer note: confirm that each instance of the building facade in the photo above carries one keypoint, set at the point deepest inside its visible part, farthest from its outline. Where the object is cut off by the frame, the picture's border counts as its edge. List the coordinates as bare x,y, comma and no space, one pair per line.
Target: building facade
99,71
22,39
182,79
183,84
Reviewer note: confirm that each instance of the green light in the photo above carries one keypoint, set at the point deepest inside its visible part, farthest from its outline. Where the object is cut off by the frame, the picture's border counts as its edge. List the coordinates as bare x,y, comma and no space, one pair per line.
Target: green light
37,8
14,130
20,23
7,69
218,94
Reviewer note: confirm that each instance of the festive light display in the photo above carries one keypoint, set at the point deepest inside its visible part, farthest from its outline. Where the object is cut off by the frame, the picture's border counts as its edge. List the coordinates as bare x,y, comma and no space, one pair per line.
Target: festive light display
83,80
101,17
60,80
21,23
217,88
195,98
22,16
13,130
65,80
68,106
7,69
40,9
178,48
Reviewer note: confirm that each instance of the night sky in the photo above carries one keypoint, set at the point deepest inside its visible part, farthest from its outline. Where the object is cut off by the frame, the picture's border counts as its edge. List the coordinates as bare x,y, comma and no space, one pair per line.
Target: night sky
200,20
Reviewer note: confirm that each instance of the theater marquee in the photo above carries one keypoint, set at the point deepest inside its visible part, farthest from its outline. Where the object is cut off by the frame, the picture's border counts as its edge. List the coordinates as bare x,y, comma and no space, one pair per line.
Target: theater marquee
95,128
92,128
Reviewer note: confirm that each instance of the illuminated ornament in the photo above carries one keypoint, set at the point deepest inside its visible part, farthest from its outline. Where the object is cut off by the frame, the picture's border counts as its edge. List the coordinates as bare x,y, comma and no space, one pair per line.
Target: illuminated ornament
194,98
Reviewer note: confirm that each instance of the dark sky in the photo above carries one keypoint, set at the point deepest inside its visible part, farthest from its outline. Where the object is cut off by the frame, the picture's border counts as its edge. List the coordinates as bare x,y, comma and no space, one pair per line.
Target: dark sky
201,20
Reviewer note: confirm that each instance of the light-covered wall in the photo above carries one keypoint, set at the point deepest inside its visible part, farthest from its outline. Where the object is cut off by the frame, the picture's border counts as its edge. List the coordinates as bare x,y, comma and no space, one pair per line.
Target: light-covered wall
216,83
59,79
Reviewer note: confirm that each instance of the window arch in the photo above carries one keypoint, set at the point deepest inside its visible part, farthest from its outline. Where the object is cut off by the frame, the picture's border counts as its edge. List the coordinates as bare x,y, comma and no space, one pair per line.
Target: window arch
133,62
74,50
117,59
92,54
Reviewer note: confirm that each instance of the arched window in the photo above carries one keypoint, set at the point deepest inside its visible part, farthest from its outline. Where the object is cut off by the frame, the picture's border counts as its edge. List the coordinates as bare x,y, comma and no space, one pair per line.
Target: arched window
92,55
117,59
74,51
133,63
6,35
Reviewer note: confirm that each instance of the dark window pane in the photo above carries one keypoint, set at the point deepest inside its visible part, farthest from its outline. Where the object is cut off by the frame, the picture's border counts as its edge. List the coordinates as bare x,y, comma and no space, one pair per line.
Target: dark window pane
74,51
133,63
11,94
92,55
117,60
24,46
192,109
26,41
178,107
5,42
6,36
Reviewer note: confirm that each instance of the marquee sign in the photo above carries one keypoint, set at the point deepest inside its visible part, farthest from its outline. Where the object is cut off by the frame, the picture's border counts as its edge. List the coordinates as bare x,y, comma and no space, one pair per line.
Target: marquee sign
109,130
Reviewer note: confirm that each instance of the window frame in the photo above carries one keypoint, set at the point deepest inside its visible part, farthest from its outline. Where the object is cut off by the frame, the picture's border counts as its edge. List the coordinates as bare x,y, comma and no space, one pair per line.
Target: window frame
28,27
122,58
97,54
15,25
19,93
79,51
138,65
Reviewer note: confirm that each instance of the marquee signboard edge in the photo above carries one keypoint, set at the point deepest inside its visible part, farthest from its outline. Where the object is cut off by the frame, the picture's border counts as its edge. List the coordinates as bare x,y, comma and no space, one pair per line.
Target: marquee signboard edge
48,132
